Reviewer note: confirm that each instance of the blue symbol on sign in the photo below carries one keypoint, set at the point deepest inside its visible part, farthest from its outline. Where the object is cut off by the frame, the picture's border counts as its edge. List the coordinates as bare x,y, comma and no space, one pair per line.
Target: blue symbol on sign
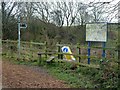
65,50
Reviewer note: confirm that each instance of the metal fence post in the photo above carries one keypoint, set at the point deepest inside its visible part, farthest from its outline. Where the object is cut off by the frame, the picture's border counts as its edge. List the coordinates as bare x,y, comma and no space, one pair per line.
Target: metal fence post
88,52
103,53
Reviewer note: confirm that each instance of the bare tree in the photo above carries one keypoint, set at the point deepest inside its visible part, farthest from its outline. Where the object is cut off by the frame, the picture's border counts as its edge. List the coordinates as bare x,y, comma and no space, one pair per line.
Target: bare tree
66,12
82,14
113,11
57,14
103,11
8,19
43,9
73,12
7,10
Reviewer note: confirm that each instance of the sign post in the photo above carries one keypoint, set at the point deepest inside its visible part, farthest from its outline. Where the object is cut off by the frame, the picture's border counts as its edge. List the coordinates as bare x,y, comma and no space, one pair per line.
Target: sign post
18,36
103,46
20,25
88,52
96,32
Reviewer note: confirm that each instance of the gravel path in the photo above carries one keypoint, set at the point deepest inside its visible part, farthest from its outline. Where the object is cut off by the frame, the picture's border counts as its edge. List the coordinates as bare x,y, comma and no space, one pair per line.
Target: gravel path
21,76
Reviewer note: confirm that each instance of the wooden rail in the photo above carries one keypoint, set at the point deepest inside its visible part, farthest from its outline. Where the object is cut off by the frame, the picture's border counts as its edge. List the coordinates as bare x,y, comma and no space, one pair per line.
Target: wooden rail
32,49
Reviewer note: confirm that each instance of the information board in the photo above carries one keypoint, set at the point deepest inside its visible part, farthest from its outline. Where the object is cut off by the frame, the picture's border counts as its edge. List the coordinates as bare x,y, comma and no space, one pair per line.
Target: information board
96,32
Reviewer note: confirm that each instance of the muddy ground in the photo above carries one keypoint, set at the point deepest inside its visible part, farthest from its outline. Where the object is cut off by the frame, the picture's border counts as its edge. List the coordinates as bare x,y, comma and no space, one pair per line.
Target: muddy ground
21,76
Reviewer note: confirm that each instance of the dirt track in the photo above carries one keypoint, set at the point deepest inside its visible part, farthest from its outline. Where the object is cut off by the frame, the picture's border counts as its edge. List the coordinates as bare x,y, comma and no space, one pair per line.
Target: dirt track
21,76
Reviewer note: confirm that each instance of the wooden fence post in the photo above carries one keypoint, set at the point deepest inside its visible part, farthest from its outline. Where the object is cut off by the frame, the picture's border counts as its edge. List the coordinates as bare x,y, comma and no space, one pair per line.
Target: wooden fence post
8,47
45,49
60,56
40,58
31,50
58,50
79,51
